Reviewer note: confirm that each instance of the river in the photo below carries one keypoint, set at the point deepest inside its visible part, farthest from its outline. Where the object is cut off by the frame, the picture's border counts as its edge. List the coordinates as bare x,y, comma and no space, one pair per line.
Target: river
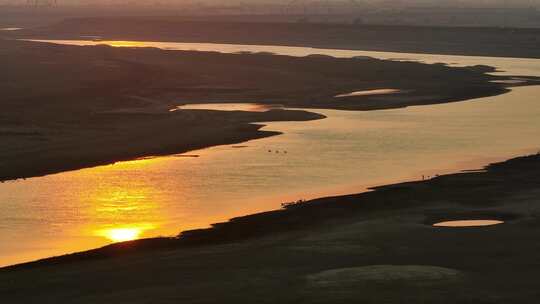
345,153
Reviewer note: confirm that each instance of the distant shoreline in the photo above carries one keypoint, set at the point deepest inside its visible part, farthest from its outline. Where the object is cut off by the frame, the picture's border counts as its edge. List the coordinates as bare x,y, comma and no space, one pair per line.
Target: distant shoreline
466,41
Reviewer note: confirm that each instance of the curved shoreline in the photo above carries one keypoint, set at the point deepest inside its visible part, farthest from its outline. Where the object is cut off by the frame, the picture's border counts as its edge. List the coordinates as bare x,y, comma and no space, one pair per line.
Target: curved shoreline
61,135
493,184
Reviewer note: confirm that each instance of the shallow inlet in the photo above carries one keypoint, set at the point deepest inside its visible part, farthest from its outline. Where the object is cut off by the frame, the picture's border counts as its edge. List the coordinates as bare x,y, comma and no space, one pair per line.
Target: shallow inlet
468,223
345,153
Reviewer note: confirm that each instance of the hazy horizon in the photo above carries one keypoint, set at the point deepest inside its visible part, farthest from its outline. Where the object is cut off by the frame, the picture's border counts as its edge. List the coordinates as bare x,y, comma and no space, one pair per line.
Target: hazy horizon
385,3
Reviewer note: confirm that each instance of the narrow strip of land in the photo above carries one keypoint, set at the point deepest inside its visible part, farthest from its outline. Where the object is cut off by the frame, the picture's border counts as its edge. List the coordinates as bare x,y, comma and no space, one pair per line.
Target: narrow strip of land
469,41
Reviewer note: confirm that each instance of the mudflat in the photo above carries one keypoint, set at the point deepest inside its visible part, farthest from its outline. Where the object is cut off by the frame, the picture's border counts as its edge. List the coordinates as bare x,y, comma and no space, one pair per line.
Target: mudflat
63,104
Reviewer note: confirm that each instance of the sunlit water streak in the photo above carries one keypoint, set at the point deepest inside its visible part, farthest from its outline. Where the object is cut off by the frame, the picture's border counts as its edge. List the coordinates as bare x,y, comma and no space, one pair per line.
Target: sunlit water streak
252,107
468,223
370,93
347,152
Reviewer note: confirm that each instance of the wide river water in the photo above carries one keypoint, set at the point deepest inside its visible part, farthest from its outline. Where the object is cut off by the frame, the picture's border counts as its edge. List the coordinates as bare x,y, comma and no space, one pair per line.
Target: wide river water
345,153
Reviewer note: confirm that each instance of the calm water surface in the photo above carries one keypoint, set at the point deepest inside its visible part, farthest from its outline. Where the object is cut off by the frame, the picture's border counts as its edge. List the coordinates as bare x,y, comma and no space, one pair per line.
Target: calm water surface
347,152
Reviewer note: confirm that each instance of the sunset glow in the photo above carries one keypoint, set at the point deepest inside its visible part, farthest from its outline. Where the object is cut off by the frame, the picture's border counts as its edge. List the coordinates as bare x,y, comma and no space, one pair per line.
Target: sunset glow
123,234
337,151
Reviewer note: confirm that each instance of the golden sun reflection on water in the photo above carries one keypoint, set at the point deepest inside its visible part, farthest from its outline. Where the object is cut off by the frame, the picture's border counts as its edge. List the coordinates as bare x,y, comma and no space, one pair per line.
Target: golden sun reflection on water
119,209
124,233
123,209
